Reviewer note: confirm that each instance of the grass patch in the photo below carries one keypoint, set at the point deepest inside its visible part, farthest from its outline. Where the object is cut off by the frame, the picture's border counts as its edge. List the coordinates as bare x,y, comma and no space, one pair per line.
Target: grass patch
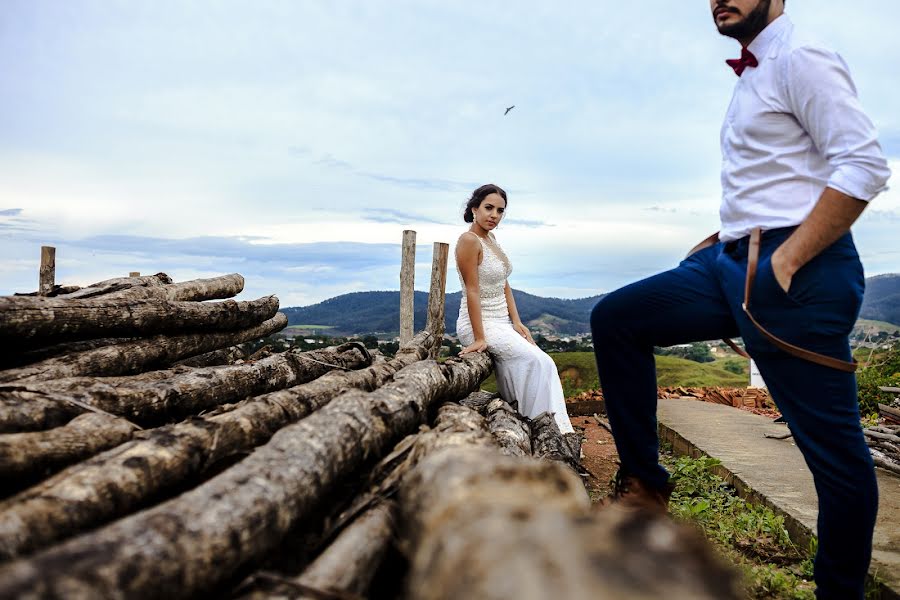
752,537
578,373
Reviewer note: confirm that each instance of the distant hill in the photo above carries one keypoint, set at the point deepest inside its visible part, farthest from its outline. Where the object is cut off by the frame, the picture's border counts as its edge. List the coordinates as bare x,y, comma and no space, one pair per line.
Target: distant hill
882,301
367,312
379,312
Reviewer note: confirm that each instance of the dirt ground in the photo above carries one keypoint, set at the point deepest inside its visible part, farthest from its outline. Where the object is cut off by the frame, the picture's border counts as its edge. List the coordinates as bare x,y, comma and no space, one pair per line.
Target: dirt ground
600,457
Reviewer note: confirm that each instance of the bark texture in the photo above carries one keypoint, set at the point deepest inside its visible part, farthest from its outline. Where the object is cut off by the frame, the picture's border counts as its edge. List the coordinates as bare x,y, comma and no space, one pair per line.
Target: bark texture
479,401
161,286
42,320
120,480
483,525
512,432
348,565
15,357
26,455
199,538
152,398
216,358
136,356
550,444
119,284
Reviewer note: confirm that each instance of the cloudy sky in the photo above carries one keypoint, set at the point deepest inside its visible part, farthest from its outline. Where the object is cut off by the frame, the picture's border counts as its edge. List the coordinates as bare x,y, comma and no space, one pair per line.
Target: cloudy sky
294,141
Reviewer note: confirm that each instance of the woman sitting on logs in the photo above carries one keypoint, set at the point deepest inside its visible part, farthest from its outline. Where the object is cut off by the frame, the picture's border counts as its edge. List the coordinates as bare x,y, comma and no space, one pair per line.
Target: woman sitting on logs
488,318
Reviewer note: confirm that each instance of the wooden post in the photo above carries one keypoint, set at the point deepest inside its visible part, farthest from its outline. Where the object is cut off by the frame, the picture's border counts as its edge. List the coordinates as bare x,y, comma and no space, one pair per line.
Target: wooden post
47,276
407,290
435,324
134,274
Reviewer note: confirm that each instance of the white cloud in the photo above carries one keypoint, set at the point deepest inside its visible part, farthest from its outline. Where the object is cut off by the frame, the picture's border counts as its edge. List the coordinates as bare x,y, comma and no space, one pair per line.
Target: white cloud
316,122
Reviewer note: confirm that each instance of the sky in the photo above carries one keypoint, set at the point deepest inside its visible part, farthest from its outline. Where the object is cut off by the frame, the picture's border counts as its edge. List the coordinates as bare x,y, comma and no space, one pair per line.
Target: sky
294,141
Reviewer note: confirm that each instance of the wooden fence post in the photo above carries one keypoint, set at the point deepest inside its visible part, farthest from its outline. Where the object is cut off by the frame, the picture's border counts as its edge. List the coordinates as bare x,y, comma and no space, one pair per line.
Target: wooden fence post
436,296
47,275
407,289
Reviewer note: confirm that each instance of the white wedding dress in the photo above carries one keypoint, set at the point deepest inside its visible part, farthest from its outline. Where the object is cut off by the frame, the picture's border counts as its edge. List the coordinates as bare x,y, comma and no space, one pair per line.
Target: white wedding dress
525,373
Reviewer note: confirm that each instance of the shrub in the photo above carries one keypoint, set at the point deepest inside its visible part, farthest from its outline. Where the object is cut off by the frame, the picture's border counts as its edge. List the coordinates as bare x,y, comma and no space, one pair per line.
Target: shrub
884,371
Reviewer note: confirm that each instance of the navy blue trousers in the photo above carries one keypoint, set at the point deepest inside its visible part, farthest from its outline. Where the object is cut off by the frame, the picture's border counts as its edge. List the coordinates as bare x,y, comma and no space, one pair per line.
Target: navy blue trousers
701,300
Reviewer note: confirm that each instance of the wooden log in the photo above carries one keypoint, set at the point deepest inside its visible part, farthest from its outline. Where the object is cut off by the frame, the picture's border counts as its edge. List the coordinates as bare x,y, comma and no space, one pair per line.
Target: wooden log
214,288
511,431
42,320
161,286
26,455
889,412
407,286
479,401
216,358
885,462
15,357
139,355
455,425
478,524
585,408
120,480
152,398
348,566
436,294
47,274
550,444
881,436
199,539
119,284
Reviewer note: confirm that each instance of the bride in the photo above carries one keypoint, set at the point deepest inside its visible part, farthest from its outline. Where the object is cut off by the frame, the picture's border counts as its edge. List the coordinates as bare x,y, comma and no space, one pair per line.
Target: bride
488,318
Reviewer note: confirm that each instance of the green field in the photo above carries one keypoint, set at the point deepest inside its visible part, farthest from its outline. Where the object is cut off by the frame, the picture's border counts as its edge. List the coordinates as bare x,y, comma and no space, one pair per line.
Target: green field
876,326
578,373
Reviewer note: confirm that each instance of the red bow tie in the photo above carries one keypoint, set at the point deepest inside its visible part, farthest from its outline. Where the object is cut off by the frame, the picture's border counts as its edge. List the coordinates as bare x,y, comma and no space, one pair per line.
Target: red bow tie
739,64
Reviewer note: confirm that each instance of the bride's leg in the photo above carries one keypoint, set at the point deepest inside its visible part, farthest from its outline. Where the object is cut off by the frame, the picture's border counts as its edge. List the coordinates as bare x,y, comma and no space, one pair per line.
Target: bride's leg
682,305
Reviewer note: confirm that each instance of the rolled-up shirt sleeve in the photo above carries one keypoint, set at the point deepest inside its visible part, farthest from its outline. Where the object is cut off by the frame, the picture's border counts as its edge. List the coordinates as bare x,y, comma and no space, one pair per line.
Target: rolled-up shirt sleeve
824,100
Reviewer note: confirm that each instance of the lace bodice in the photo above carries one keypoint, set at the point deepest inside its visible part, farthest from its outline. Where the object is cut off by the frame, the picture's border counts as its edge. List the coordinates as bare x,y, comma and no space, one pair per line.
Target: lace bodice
493,271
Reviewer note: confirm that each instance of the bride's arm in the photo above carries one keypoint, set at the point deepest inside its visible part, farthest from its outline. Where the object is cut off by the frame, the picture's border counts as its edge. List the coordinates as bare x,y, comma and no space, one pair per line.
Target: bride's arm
467,251
514,314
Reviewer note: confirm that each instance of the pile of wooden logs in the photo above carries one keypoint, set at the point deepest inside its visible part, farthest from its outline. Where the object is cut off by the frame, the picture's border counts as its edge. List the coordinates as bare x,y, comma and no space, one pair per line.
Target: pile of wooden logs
890,412
142,455
752,398
737,397
884,444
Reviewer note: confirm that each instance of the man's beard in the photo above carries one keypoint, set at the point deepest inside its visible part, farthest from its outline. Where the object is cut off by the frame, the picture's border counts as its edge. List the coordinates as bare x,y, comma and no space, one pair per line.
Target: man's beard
751,25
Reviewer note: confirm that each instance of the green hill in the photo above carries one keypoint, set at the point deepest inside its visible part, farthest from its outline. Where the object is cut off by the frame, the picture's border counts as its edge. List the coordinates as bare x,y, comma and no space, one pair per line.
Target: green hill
379,312
578,373
882,299
367,312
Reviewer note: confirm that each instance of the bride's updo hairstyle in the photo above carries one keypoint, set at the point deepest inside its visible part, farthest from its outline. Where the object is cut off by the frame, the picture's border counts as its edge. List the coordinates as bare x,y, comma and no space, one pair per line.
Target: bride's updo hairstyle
478,197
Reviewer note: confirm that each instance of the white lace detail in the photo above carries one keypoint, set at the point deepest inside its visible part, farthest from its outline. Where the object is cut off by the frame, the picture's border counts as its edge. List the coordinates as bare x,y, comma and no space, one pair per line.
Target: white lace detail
524,372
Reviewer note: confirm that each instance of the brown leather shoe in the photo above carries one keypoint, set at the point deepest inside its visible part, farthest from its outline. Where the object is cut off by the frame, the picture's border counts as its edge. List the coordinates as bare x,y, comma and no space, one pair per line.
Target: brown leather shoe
631,492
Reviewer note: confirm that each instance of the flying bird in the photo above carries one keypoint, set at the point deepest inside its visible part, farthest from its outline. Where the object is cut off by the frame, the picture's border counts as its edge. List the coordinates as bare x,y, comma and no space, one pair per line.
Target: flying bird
509,109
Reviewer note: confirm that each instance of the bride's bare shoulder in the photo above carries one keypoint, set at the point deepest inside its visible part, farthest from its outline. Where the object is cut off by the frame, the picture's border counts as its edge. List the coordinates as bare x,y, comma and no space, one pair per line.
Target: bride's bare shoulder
468,239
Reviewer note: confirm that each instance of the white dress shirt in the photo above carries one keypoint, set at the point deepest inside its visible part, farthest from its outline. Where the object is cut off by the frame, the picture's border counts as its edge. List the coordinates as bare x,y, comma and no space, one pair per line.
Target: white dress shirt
794,126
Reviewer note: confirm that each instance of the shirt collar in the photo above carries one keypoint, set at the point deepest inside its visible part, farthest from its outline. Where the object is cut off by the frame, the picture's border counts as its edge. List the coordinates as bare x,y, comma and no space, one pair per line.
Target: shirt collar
762,43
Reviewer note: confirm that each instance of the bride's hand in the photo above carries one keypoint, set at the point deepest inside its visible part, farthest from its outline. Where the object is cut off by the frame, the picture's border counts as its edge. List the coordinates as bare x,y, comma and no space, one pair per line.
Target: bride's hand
476,346
523,331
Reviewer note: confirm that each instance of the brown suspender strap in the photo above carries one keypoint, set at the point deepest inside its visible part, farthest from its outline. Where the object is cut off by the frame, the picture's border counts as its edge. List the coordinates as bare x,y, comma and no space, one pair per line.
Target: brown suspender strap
819,359
711,240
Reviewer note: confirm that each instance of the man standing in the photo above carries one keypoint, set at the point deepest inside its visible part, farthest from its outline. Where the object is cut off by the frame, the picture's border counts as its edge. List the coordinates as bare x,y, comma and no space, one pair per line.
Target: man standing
800,162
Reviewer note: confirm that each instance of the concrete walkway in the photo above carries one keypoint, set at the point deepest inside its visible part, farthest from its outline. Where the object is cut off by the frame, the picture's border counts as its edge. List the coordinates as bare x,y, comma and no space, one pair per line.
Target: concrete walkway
773,472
